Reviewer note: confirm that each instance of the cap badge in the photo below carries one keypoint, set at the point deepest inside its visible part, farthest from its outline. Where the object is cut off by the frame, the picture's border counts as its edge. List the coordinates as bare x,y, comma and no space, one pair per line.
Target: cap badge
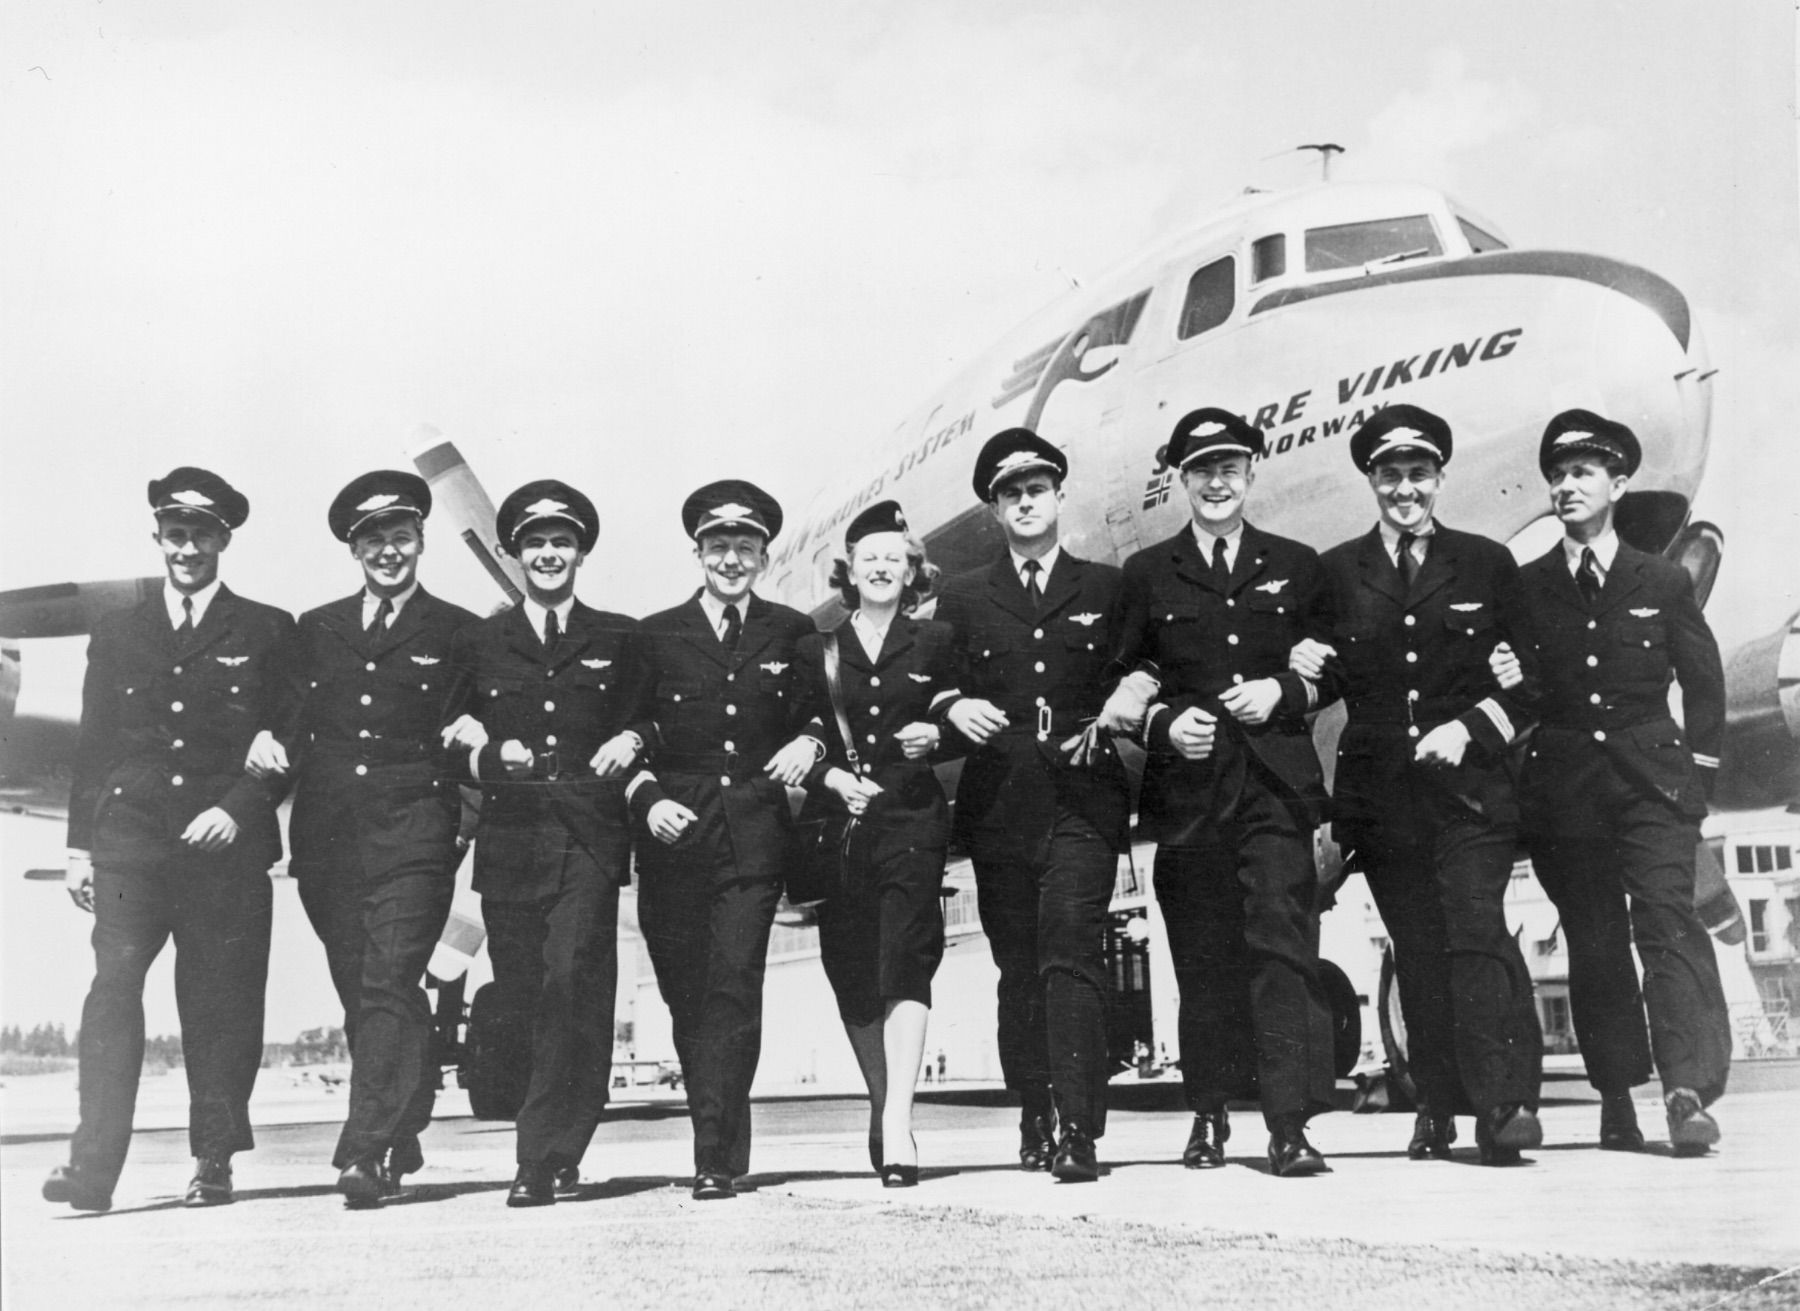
188,496
1016,459
1085,620
547,506
1210,428
1573,435
732,511
899,521
380,501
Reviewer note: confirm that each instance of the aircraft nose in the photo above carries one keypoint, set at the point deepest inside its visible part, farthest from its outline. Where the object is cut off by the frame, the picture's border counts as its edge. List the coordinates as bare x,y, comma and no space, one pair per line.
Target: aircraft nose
1658,381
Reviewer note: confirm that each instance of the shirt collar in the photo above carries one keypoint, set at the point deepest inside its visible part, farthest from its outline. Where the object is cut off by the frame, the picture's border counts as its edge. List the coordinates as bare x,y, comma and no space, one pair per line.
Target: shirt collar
1205,538
535,613
1046,562
1390,535
371,603
715,608
1605,546
202,599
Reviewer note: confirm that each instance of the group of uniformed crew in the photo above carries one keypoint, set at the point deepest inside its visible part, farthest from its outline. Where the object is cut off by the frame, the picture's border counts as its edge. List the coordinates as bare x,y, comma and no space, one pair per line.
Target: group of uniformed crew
1488,705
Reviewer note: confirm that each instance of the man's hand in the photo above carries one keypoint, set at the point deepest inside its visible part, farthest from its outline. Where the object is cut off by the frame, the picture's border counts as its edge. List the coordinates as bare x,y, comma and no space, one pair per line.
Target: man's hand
1192,733
977,720
793,762
1504,662
668,820
1308,658
267,757
918,740
1125,709
211,830
516,758
615,755
466,733
1443,745
78,879
856,793
1253,702
1084,746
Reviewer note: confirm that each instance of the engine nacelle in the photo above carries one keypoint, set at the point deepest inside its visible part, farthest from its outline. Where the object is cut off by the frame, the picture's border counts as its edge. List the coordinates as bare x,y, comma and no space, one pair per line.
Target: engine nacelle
1760,765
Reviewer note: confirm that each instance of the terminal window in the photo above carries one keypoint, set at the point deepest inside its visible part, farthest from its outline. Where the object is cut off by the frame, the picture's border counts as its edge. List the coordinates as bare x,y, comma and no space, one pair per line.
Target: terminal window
1764,860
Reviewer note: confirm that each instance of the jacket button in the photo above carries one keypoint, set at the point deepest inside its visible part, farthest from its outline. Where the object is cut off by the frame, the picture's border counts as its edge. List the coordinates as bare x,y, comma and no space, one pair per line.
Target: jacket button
1595,698
549,739
1592,624
1038,633
1411,620
874,680
874,710
370,666
363,732
1599,735
366,698
176,781
1237,678
871,739
731,710
175,706
729,678
1412,657
118,792
362,769
234,691
1231,603
1042,702
1412,731
549,705
724,780
1592,661
1039,666
1232,638
731,746
177,744
178,669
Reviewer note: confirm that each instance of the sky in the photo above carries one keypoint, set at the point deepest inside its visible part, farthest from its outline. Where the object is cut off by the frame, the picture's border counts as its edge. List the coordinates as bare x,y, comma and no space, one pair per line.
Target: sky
641,247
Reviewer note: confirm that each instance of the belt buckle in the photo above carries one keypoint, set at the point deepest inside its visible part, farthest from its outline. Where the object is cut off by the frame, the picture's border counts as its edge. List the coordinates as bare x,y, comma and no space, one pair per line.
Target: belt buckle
1043,723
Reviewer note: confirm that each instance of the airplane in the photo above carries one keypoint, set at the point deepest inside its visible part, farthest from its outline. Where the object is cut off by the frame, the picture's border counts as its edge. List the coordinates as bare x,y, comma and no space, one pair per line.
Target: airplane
1304,310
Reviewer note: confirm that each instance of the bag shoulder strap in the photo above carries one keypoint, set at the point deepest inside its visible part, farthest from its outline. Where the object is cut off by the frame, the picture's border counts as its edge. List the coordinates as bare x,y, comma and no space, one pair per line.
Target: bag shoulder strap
835,685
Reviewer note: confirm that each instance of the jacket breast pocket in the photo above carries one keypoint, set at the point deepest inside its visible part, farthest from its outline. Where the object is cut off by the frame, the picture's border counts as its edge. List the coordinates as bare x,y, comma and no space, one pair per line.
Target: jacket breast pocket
1473,624
1265,603
1643,636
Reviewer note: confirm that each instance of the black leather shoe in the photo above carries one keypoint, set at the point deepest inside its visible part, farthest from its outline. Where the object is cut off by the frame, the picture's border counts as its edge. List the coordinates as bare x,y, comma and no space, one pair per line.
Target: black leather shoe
1432,1136
1205,1148
1290,1155
1076,1161
211,1184
565,1181
364,1183
1037,1142
70,1184
1504,1132
1692,1132
534,1185
713,1187
1619,1130
899,1176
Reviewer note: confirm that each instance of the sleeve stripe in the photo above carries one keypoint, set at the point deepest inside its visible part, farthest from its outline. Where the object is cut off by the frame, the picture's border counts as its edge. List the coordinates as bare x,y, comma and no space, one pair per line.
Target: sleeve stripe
1706,761
638,780
1491,708
948,694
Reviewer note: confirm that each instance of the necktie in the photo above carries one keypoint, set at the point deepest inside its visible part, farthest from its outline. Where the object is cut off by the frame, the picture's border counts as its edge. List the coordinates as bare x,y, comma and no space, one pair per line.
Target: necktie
383,612
1408,562
186,630
734,628
1221,566
1588,576
1033,588
552,630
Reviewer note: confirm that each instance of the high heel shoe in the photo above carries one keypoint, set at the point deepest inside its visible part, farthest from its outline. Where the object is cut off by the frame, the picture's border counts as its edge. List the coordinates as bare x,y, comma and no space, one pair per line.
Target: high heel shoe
875,1151
901,1176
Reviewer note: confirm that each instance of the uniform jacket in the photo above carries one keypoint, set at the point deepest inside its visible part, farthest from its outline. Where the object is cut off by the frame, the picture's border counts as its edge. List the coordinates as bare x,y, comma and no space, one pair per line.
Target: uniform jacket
366,729
1606,677
166,724
1408,662
1048,672
1200,639
915,668
564,704
715,718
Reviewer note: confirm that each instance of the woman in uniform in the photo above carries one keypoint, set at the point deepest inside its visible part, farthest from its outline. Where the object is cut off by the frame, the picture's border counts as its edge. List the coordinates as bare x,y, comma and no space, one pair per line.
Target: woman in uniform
882,935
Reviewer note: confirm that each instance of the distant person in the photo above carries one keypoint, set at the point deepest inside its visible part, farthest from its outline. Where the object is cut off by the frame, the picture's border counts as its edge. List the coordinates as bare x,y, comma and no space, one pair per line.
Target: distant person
1423,797
375,819
727,709
1043,803
1614,791
169,836
882,937
547,712
1232,792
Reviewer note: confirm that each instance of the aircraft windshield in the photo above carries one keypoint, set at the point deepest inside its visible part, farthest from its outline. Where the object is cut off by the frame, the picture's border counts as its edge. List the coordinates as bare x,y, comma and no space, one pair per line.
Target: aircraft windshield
1479,241
1380,241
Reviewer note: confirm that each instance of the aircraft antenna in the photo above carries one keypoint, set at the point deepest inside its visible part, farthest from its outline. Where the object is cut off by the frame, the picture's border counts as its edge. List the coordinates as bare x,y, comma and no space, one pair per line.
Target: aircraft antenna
1326,150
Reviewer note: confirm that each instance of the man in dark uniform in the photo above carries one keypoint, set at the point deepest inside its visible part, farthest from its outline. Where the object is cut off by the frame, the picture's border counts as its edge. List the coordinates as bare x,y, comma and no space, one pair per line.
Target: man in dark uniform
542,701
1043,803
374,825
169,836
724,749
1614,791
1232,791
1424,795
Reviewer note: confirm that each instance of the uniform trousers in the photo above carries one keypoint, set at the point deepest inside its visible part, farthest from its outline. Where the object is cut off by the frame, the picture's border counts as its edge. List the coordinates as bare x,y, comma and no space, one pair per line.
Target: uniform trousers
708,938
1239,913
1043,907
882,939
1473,1038
1644,860
379,920
217,907
556,959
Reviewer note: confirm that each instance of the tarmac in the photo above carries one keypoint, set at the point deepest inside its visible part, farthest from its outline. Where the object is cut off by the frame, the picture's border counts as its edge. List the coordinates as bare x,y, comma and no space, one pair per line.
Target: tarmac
1576,1227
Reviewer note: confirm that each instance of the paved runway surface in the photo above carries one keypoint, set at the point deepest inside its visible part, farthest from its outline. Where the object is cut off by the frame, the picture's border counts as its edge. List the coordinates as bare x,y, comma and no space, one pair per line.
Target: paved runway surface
1575,1228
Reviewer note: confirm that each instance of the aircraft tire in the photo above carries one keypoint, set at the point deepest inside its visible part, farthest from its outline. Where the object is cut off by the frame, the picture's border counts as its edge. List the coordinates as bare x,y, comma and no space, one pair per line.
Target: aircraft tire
1346,1019
496,1065
1403,1093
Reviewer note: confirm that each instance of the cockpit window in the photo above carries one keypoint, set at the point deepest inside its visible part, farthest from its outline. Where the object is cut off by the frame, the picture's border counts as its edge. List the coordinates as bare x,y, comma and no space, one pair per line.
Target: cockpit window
1268,257
1479,241
1210,295
1382,241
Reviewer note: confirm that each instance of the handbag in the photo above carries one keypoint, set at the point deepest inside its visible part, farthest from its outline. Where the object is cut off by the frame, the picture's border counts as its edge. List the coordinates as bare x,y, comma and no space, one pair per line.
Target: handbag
824,863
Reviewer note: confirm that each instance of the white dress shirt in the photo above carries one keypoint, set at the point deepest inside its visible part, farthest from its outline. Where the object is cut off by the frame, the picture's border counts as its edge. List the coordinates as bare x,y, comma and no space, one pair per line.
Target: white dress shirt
172,600
1046,562
1233,539
372,603
1390,540
715,611
535,614
1605,548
